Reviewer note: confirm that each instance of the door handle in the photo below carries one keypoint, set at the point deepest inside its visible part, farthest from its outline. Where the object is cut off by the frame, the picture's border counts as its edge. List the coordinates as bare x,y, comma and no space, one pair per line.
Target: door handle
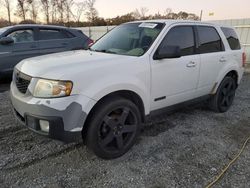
191,64
223,59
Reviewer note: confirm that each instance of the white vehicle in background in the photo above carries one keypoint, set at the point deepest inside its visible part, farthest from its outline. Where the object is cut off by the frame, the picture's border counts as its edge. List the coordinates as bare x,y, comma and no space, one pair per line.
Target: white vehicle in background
136,70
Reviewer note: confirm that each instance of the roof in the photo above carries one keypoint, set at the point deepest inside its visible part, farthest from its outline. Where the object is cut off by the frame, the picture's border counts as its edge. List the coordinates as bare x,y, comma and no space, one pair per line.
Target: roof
36,25
171,21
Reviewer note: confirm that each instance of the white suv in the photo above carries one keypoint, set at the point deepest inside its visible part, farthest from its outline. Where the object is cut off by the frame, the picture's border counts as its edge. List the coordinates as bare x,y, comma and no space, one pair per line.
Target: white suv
104,94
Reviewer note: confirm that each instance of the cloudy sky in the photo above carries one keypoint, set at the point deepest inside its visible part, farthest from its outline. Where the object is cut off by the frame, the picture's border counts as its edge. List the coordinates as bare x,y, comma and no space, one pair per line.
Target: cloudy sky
223,9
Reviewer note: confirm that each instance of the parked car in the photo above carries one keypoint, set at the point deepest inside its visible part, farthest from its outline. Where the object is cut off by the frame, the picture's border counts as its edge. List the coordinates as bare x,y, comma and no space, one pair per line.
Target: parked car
135,71
24,41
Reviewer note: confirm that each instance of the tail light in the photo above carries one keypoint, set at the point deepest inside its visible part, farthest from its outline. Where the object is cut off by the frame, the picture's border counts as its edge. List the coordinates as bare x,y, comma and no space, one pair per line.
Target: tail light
244,59
90,42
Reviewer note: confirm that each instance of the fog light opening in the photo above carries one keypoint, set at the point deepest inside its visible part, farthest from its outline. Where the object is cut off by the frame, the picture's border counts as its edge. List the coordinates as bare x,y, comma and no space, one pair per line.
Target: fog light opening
44,125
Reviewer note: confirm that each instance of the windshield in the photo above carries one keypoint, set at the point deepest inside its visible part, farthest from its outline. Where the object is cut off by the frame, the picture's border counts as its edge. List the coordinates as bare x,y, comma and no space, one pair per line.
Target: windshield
132,39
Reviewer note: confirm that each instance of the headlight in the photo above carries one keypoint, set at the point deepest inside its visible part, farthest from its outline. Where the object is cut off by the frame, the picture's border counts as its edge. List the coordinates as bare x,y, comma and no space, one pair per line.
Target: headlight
49,88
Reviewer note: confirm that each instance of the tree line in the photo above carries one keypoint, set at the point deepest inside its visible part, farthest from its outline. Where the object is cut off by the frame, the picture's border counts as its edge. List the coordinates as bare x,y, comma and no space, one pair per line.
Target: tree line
71,13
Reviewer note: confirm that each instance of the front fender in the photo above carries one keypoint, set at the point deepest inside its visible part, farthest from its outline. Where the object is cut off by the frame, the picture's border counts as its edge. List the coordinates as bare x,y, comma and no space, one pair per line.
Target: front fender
103,87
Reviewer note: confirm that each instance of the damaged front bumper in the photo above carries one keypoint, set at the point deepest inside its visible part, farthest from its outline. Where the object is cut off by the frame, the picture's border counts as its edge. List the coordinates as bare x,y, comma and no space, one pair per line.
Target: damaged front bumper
58,118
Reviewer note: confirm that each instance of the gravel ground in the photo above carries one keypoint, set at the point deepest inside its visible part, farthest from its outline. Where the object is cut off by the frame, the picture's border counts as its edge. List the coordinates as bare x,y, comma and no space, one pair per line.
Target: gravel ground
184,149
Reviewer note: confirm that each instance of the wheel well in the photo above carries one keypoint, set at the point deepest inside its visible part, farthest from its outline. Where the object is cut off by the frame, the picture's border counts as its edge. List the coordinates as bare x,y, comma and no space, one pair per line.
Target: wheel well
130,95
234,75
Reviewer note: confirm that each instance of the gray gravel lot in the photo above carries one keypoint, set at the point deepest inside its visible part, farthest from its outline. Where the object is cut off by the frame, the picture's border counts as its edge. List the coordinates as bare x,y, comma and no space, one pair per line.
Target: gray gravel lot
184,149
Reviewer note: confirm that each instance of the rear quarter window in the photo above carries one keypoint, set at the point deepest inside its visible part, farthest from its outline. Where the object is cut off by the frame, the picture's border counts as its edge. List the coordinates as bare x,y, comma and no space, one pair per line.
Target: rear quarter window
52,34
232,38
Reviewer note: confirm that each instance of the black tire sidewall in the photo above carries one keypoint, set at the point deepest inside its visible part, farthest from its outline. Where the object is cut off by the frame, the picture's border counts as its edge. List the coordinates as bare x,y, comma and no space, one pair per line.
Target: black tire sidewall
222,85
97,118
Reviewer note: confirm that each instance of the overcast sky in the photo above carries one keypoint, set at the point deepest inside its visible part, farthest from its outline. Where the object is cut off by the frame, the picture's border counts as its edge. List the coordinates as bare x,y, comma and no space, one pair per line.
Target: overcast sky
223,9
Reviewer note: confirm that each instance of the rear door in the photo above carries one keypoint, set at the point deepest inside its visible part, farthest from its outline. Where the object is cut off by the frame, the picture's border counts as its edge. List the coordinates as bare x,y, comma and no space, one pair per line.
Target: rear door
53,40
213,57
24,46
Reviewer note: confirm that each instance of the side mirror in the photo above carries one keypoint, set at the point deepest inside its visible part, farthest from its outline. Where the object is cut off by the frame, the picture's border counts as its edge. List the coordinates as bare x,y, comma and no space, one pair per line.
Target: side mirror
167,52
6,40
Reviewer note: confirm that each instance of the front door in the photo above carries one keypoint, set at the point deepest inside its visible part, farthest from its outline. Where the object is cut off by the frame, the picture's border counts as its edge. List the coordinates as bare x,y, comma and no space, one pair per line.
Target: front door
175,80
24,46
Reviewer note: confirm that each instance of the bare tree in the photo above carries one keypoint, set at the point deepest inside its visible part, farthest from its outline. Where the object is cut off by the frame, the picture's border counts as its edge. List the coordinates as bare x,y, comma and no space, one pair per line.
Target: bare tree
33,9
91,12
7,5
79,7
53,11
136,14
60,9
45,7
21,9
192,16
143,11
182,15
140,13
168,11
68,5
172,15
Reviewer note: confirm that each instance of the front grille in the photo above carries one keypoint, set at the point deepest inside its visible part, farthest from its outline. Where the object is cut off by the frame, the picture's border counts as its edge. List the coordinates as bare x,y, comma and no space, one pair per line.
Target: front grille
22,81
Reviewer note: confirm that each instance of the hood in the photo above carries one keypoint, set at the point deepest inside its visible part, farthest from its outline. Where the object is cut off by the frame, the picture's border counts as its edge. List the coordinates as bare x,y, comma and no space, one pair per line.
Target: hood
54,66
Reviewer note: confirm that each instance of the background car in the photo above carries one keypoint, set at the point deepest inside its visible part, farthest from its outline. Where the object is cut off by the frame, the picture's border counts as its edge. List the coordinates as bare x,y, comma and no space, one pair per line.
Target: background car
23,41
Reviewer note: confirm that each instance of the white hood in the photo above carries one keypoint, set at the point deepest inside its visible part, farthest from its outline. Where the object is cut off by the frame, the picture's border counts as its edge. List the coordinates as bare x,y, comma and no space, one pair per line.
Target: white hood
54,66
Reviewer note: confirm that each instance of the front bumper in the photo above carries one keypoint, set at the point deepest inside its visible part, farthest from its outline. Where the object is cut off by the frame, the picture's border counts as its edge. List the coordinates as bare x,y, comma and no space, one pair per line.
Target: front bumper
65,115
56,127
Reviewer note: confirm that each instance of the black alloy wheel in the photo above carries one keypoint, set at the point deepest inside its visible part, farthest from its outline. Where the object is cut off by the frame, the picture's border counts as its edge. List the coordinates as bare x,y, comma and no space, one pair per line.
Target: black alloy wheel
118,129
224,97
114,128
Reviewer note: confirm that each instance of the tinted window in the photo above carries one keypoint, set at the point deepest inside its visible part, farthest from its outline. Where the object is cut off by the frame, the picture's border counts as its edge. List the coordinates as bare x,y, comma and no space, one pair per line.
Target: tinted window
25,35
210,40
232,38
49,34
182,36
68,34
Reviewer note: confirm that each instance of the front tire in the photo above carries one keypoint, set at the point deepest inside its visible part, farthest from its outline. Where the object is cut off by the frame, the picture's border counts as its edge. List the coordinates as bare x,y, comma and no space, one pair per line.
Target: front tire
223,99
113,128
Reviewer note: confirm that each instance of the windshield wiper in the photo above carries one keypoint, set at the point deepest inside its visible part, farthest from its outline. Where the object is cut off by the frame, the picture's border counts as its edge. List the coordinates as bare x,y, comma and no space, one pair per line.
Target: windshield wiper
103,51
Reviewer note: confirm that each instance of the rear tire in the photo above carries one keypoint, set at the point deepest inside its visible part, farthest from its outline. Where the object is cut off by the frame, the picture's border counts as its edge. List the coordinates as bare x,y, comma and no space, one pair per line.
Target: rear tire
223,99
113,128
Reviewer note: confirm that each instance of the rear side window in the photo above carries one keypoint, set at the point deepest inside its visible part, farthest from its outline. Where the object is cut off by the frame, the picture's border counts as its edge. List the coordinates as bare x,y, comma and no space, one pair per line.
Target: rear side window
50,34
232,38
210,40
182,36
68,34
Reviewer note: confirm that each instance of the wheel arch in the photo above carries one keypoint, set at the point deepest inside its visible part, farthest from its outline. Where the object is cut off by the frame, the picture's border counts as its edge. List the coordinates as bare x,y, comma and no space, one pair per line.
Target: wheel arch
232,72
234,75
127,94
